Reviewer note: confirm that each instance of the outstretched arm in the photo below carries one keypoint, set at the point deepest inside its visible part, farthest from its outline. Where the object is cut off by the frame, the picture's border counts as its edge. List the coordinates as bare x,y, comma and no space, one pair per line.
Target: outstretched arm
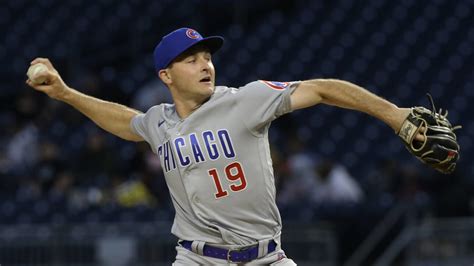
347,95
112,117
427,134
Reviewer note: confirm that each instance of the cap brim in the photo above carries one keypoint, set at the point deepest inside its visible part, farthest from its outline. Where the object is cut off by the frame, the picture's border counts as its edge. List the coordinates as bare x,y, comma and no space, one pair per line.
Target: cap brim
214,43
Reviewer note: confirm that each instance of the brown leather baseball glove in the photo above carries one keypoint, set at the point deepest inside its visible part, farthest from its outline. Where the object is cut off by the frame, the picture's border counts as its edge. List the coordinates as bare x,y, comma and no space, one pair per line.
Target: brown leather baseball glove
440,148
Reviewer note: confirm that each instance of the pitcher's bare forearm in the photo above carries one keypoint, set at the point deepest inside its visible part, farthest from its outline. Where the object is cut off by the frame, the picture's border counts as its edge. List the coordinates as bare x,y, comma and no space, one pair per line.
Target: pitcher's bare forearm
348,95
112,117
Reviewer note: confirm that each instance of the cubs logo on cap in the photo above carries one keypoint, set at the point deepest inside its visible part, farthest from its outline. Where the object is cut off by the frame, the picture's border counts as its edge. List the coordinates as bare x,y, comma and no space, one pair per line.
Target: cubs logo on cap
193,34
180,40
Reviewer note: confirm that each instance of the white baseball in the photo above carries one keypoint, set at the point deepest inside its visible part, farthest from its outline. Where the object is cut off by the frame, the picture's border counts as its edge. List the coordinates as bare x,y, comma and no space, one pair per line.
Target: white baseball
35,70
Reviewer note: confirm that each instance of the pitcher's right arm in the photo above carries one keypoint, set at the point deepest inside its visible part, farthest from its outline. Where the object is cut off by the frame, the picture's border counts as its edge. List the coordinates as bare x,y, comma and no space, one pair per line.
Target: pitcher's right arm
112,117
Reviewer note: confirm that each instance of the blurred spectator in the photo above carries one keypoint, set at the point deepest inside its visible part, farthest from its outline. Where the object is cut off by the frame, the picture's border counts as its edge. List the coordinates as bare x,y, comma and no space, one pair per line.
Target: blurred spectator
100,159
333,184
153,178
152,93
22,148
60,194
300,181
133,193
294,198
49,165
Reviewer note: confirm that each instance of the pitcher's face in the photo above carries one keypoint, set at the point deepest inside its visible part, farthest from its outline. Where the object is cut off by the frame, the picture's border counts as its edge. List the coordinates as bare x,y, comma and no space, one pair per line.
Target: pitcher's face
192,73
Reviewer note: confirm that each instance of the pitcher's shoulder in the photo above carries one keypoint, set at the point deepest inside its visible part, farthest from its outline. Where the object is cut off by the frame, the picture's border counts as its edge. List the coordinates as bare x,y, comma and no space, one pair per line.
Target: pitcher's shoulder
234,90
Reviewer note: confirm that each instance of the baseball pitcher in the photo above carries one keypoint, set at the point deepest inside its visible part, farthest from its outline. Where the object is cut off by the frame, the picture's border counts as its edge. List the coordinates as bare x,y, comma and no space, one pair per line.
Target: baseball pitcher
213,145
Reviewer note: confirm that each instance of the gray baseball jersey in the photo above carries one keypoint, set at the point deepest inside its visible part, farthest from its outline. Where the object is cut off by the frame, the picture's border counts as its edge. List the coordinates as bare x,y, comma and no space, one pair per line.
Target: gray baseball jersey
217,162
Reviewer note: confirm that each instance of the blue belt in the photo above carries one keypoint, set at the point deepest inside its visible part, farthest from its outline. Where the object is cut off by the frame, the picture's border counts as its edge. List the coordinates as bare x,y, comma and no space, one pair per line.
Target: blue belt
231,255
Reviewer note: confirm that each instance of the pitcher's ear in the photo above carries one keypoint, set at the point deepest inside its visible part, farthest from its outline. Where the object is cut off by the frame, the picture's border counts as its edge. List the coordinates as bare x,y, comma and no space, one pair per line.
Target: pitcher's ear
165,76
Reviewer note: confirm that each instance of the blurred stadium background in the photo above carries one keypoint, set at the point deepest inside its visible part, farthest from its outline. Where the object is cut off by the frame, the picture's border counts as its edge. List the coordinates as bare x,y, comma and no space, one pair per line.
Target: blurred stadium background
349,193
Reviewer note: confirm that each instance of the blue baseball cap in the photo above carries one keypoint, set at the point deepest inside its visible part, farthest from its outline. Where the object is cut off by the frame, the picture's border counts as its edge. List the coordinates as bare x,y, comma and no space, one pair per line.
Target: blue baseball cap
178,41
